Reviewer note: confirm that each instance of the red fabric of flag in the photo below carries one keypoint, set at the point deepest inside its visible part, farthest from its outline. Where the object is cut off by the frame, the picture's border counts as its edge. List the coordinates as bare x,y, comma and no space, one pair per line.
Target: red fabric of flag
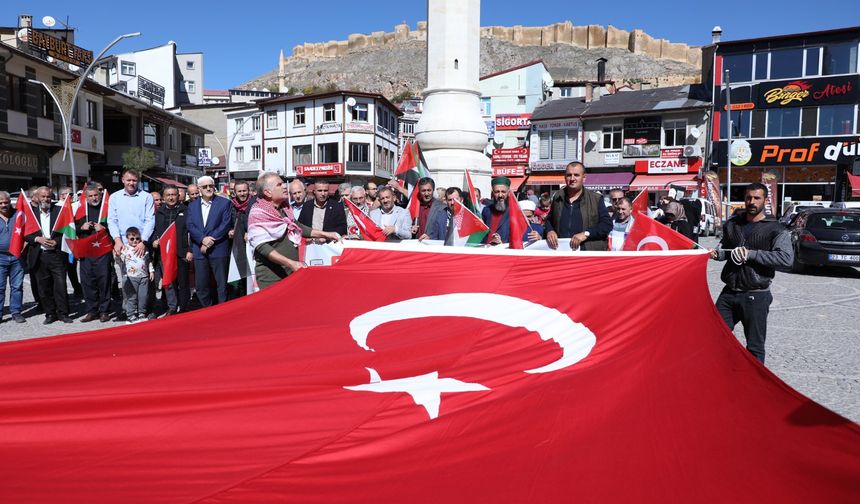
414,205
94,245
648,234
466,222
26,223
167,244
519,224
494,379
369,230
407,160
473,196
640,203
65,219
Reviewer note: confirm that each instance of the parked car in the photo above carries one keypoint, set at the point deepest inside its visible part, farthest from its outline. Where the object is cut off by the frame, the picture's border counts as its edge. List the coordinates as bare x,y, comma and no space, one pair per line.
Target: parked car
708,221
826,237
845,204
795,207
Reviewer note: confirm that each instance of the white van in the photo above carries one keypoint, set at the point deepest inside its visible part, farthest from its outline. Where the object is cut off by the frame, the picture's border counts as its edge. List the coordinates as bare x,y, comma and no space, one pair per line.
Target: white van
708,223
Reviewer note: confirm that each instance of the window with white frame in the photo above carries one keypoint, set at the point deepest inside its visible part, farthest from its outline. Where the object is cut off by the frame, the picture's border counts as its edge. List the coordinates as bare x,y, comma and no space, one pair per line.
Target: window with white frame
329,113
359,112
128,68
92,115
190,86
565,91
359,152
327,152
256,121
272,119
558,144
189,65
240,153
675,133
271,150
407,128
486,106
256,152
611,137
299,116
238,123
151,134
302,155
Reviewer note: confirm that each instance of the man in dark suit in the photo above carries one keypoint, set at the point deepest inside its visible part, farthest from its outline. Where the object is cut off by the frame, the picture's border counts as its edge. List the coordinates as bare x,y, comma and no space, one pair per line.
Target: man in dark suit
324,213
172,210
45,258
209,220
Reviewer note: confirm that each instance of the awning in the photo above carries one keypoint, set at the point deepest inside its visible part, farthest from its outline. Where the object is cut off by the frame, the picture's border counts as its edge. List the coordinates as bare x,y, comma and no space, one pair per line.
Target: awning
607,181
167,181
545,180
854,180
662,182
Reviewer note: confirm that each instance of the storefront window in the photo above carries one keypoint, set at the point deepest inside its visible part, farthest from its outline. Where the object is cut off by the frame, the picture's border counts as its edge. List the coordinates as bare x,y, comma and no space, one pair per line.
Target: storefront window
783,122
761,65
739,67
840,58
809,121
836,120
786,64
740,124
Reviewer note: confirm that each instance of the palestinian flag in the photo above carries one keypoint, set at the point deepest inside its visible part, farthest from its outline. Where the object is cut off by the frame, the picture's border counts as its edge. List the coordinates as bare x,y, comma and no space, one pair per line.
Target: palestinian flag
471,230
472,202
66,224
103,213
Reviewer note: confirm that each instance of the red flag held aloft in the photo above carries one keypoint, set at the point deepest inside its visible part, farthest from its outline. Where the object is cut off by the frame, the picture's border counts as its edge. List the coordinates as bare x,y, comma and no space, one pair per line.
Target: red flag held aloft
473,196
466,222
519,224
169,260
414,205
26,223
94,245
648,234
640,203
369,230
407,160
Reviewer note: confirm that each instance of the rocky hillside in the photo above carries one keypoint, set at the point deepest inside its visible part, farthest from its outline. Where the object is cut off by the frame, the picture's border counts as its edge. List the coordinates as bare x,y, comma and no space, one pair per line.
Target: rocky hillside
399,68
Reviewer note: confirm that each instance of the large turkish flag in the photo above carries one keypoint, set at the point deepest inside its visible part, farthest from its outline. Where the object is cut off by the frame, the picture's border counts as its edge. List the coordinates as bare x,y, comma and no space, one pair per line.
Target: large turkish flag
456,376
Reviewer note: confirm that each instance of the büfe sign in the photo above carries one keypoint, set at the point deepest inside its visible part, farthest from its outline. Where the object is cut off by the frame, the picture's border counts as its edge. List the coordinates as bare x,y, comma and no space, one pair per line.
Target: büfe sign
319,170
509,171
513,121
514,156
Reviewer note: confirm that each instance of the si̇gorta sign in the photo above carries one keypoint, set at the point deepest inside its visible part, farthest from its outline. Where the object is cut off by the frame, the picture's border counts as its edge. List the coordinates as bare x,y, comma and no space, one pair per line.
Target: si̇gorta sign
795,151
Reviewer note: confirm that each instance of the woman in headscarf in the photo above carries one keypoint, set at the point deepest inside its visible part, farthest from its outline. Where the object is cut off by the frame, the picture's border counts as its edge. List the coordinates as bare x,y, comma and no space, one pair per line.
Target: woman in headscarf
676,218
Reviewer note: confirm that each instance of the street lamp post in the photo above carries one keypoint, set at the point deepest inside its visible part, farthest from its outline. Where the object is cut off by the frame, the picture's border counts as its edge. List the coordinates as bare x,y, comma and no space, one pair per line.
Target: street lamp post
728,148
66,111
239,128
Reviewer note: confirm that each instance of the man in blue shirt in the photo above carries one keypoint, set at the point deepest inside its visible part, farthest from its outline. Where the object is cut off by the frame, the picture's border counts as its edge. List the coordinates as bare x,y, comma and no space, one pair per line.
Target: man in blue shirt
10,267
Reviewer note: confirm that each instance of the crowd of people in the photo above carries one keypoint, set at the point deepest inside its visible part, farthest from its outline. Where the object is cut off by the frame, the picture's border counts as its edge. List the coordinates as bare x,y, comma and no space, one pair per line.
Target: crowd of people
274,217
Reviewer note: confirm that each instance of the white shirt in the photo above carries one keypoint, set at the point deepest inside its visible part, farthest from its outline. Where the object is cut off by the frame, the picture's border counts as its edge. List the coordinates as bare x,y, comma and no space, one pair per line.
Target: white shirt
45,222
205,206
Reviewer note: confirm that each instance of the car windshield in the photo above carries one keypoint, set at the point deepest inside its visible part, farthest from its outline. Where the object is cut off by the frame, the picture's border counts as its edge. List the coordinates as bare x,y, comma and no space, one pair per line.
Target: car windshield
840,221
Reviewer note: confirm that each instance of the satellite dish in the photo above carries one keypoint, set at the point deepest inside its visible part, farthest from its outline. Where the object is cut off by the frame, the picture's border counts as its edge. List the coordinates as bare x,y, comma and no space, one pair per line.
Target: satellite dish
593,137
74,68
22,34
696,132
216,161
350,102
50,59
49,21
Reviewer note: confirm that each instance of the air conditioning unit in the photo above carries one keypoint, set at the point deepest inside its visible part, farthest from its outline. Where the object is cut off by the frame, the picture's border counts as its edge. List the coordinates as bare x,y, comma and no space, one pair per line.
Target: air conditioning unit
692,151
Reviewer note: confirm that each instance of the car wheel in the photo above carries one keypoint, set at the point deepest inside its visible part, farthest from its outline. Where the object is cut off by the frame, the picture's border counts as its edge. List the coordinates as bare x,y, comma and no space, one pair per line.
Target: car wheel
796,265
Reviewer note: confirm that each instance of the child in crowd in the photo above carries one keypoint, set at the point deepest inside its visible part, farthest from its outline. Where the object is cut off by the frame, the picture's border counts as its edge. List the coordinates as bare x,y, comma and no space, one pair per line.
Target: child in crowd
138,272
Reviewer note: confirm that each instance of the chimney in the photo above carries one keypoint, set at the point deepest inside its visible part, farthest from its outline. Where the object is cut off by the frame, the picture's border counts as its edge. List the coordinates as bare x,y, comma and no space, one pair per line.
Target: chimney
716,33
589,92
601,70
25,21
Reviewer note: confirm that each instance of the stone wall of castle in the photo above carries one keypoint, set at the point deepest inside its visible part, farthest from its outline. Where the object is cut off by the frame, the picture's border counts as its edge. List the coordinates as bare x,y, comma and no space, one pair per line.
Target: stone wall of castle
590,37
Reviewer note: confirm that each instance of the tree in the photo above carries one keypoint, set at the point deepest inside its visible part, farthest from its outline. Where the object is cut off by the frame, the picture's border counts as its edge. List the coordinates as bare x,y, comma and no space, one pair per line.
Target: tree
138,159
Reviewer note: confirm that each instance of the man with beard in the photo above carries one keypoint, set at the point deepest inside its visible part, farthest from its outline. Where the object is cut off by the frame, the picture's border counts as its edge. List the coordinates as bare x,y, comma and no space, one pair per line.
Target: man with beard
242,202
577,214
45,258
358,196
392,219
429,207
322,212
758,245
372,201
95,271
497,215
172,210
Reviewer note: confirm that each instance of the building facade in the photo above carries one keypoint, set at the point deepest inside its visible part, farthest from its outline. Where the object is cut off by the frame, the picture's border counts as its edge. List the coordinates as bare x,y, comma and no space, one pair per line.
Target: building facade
794,113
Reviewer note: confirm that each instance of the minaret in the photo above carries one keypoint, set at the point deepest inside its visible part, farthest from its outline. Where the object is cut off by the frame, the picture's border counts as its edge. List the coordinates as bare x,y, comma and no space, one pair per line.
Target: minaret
282,74
451,132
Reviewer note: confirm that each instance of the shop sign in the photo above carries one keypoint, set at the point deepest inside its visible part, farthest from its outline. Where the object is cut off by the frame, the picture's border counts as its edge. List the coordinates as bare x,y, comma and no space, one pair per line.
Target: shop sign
641,136
509,171
657,166
805,92
149,90
513,121
740,106
319,170
550,165
517,155
204,157
332,127
788,152
23,162
491,129
612,158
361,127
59,49
567,124
672,153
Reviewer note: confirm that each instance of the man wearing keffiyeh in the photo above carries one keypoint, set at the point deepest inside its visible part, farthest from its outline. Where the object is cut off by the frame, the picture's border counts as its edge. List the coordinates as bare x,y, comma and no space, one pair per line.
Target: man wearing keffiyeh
275,234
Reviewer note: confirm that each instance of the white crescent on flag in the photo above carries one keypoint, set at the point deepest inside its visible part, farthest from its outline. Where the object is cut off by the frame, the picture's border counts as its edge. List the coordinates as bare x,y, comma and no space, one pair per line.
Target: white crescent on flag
656,240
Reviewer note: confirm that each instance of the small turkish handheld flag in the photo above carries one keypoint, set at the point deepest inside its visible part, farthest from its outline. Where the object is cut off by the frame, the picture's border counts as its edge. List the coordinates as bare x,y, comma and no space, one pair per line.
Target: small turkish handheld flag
94,245
648,234
369,229
169,259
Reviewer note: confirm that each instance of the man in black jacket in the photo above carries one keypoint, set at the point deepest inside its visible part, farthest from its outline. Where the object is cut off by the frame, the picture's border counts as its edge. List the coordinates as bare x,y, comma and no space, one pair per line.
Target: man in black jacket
756,245
95,271
324,213
171,210
45,258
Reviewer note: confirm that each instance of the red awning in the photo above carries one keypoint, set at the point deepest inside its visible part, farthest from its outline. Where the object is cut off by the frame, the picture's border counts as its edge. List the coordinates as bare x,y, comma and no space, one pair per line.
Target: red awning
662,182
545,180
170,182
854,180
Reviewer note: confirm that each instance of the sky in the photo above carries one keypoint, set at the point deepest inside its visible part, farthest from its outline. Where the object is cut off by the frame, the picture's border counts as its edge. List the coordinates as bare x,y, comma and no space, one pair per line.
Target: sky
241,40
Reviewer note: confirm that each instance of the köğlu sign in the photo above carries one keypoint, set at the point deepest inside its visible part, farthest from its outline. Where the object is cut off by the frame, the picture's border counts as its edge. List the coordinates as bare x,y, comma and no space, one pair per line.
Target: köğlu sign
809,92
513,121
149,90
319,170
59,49
797,151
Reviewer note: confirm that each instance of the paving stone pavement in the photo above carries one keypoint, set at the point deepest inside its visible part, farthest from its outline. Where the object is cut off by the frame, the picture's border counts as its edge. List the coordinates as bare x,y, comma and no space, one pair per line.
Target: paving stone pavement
813,341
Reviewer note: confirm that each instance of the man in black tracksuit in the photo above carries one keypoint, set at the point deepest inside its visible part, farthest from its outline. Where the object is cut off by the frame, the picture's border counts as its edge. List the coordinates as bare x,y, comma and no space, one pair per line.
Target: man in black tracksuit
754,245
178,293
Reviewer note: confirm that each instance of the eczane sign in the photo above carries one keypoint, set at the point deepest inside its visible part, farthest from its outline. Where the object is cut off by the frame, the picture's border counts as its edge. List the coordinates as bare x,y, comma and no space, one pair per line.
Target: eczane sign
662,165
